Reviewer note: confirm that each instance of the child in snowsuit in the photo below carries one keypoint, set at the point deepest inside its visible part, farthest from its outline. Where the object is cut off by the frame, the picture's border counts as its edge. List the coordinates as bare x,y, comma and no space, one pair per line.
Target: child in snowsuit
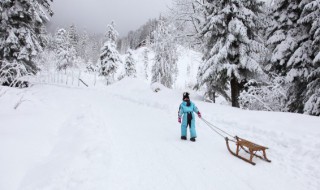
186,110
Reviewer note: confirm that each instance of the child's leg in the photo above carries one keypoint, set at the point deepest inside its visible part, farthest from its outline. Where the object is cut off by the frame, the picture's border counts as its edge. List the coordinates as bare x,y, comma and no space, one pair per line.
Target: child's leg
183,130
193,132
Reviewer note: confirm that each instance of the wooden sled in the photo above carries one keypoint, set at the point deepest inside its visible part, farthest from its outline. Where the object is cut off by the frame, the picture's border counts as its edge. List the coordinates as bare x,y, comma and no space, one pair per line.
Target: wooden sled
249,147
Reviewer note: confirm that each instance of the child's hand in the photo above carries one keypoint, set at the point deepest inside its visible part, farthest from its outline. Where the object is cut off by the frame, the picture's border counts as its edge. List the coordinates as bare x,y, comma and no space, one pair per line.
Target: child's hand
199,114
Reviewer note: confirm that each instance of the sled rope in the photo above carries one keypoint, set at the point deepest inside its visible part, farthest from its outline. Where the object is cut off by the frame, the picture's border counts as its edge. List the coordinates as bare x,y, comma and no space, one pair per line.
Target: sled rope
217,129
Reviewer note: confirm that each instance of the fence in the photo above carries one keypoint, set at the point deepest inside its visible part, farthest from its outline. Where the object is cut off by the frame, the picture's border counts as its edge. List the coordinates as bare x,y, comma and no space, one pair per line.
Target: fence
75,78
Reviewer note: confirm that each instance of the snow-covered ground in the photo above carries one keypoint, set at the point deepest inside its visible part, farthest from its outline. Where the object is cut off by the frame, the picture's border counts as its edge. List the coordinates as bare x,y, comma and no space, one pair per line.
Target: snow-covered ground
126,136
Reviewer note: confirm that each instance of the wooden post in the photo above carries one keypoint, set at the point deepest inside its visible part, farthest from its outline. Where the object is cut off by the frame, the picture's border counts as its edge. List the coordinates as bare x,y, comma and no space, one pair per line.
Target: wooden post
83,83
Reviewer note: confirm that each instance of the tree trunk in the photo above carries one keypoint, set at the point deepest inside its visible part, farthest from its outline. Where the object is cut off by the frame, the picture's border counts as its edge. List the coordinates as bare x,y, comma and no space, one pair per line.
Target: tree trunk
235,92
213,96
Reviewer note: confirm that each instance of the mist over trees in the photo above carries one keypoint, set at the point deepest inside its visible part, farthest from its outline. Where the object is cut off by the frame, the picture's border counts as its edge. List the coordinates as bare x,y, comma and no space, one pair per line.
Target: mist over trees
136,38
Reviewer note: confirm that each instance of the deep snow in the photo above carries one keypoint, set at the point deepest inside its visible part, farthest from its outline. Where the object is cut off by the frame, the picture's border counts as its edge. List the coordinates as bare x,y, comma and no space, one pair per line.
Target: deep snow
126,136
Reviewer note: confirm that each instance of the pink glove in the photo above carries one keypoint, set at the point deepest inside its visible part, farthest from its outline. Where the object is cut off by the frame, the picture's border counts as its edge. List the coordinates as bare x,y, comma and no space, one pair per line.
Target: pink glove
199,114
179,119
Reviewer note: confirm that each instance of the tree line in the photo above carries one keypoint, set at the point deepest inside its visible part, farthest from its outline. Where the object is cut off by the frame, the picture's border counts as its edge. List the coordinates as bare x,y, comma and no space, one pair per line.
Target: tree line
254,55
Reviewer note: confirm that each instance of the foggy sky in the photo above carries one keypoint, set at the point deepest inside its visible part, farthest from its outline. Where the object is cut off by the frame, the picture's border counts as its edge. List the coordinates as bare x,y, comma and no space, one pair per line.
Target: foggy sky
95,15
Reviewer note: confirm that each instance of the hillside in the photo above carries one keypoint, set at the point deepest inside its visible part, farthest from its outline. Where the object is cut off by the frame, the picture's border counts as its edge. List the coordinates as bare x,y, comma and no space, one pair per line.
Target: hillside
126,136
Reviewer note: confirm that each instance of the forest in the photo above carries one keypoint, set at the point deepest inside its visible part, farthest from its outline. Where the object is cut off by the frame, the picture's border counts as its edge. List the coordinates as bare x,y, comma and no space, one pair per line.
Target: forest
256,55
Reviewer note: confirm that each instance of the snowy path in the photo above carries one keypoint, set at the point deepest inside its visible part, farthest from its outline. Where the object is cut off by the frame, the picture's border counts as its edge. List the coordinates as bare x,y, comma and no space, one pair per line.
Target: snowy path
128,138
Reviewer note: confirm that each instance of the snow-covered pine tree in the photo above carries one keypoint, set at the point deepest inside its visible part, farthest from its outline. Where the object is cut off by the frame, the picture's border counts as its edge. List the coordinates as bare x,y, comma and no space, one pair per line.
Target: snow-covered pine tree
109,57
283,34
164,69
83,46
21,37
130,65
73,36
91,68
310,18
293,38
109,60
94,50
112,34
234,46
66,53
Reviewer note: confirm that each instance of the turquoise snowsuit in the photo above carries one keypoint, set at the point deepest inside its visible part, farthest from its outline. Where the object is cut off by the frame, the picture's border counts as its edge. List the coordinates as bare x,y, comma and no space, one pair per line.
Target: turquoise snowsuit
183,111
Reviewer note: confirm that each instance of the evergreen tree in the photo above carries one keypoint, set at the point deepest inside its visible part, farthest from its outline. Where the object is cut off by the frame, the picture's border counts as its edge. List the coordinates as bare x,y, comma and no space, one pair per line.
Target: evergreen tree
310,18
130,65
109,60
164,69
83,47
110,57
66,53
91,68
21,37
234,48
112,34
282,34
293,38
73,36
95,50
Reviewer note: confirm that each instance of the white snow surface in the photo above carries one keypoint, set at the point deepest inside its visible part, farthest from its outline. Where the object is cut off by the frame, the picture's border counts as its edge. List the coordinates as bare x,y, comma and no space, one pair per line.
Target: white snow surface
126,136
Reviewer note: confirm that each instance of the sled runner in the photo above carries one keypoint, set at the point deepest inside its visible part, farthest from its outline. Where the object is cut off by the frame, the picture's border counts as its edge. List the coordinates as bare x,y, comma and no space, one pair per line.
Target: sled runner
250,148
241,144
